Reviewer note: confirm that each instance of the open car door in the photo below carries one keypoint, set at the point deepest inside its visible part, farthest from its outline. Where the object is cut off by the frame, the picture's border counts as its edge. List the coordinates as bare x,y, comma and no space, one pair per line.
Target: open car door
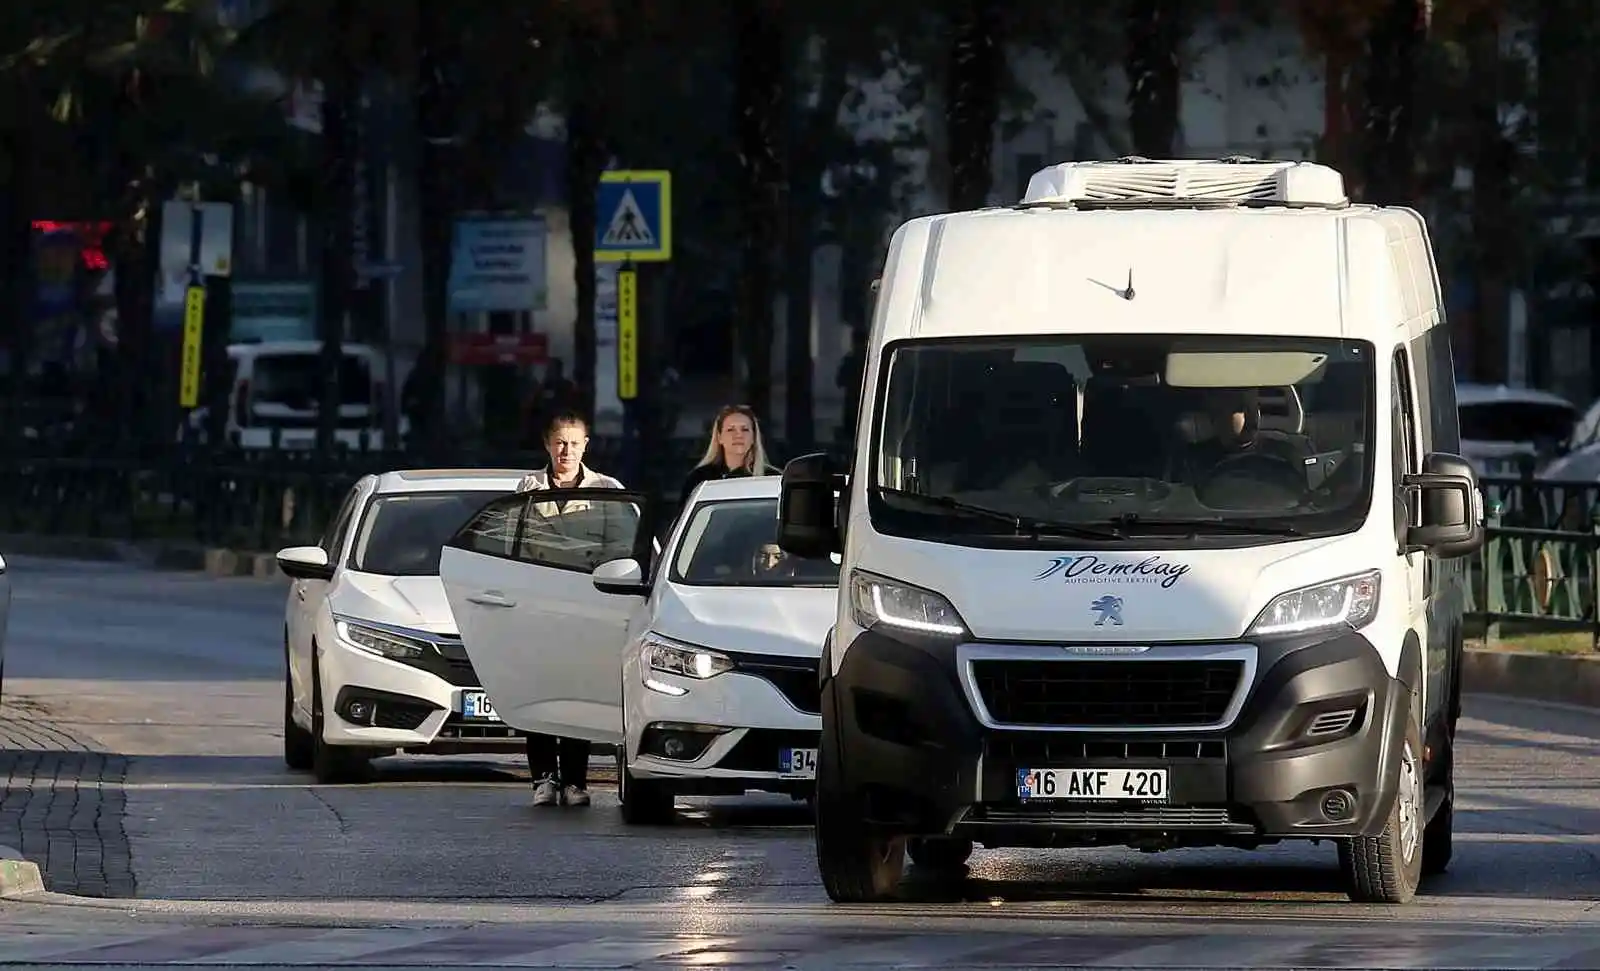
546,645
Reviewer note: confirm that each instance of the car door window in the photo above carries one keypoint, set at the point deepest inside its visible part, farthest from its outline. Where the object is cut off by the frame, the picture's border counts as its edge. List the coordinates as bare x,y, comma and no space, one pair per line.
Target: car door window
578,532
493,530
567,529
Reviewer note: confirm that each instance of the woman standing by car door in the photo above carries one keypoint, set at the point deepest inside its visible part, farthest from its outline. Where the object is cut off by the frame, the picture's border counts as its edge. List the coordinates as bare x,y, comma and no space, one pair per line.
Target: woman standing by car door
560,766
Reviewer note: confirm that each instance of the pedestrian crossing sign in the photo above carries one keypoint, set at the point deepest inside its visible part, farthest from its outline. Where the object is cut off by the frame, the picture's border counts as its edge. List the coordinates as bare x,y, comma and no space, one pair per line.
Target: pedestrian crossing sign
633,221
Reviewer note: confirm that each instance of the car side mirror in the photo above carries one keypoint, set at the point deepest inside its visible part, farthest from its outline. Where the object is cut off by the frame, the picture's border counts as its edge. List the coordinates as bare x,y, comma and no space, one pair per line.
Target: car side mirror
808,507
1452,507
305,563
622,577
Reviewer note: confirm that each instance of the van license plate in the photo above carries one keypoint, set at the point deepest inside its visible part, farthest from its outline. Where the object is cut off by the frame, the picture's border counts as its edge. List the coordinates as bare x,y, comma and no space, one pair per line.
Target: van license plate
800,763
476,705
1142,785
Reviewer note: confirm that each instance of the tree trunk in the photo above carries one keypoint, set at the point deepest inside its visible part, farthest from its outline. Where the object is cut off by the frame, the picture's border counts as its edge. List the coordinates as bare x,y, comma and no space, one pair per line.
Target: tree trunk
341,94
16,237
1156,31
759,114
1394,42
586,159
1493,232
438,162
974,79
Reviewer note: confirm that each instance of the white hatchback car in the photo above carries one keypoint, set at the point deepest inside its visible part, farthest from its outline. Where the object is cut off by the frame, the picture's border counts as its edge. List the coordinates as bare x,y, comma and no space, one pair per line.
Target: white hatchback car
374,664
699,664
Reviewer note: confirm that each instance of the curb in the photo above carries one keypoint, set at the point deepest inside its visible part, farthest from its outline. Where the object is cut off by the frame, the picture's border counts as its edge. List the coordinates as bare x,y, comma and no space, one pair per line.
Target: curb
18,877
161,556
1534,677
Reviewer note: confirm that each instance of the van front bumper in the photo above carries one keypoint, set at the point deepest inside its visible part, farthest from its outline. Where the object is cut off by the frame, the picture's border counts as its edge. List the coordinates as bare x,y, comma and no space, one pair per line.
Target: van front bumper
916,751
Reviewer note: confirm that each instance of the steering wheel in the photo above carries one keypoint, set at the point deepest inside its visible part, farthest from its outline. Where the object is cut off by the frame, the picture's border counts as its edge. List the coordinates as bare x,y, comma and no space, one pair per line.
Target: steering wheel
1258,468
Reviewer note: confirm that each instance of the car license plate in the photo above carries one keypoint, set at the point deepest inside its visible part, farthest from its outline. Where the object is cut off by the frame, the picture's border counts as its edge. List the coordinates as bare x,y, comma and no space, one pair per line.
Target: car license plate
798,762
476,704
1143,785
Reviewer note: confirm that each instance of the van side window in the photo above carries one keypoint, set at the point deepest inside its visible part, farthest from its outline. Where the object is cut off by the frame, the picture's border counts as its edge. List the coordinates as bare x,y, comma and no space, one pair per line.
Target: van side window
1404,412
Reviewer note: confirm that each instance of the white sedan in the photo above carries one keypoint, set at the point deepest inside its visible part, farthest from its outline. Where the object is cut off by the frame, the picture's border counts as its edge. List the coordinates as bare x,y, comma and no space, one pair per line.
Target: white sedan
373,662
700,665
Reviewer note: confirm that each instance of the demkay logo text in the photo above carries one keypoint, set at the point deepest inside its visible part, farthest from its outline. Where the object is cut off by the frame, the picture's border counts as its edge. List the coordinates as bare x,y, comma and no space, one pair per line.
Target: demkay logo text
1092,569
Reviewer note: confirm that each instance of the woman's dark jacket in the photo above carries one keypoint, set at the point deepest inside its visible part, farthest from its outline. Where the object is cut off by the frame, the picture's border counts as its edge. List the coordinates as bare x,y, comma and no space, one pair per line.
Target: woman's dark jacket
706,473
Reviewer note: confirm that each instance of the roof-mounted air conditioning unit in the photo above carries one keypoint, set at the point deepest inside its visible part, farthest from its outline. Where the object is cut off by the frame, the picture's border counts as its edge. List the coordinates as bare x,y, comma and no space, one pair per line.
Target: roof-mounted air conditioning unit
1135,182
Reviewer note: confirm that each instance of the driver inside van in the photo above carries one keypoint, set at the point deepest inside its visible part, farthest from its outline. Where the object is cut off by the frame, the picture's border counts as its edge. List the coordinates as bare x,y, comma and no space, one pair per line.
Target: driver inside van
1234,417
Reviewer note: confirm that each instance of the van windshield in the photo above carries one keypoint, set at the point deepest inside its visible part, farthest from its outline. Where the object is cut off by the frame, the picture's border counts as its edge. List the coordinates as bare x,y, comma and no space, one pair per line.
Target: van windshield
1120,439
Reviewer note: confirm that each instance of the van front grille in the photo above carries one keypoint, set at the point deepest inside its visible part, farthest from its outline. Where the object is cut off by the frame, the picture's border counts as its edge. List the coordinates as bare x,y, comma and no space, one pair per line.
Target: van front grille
1107,694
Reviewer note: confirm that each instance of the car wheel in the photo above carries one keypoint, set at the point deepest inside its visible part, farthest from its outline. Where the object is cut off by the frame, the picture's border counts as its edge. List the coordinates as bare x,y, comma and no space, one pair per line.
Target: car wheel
297,747
645,802
1385,869
857,864
332,765
938,852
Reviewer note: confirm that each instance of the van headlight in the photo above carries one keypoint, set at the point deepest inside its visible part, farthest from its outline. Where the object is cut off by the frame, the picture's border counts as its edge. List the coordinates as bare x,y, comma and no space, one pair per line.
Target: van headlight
396,647
685,660
1347,602
876,600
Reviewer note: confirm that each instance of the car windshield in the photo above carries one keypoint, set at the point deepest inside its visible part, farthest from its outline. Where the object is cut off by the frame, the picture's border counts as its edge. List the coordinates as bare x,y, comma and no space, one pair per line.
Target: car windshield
1117,439
401,534
734,543
295,380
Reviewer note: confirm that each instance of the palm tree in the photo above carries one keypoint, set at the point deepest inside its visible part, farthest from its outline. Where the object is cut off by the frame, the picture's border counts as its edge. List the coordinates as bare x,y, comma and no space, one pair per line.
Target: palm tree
974,81
1156,31
759,112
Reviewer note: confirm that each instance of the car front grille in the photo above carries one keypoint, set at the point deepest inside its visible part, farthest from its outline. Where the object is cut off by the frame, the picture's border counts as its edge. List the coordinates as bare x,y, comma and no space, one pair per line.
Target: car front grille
1107,694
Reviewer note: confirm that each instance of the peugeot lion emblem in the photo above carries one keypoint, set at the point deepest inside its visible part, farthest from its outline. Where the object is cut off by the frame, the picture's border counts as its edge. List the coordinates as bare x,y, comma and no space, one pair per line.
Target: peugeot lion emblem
1108,608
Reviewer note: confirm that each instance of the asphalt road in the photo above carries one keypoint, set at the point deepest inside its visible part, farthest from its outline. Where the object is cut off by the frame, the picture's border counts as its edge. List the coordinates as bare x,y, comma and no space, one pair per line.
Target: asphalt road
174,679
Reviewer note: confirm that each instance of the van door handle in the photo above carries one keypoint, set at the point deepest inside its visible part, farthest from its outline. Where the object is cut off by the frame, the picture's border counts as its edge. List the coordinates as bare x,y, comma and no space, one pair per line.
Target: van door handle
490,598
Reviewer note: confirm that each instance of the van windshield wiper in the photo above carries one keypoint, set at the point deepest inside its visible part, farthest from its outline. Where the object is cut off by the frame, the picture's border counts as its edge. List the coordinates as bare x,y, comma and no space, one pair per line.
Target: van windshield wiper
1021,525
1201,524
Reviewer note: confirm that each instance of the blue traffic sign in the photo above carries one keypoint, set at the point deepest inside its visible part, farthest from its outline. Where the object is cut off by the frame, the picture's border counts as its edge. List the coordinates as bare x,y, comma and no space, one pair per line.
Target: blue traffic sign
633,221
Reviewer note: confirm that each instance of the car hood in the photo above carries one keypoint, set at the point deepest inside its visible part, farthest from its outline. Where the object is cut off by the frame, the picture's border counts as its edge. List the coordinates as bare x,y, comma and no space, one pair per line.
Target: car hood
782,621
417,602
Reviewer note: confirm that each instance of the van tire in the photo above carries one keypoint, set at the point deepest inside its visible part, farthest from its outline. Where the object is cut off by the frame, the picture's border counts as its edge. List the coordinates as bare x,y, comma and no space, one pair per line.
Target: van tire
1386,868
858,865
939,852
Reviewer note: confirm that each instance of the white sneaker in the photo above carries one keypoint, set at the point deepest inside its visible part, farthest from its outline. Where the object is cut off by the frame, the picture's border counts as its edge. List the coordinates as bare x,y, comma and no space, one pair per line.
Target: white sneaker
573,796
545,792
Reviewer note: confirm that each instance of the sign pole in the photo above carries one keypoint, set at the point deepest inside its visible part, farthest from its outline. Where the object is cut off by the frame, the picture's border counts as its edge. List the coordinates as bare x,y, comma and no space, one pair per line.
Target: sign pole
628,368
194,318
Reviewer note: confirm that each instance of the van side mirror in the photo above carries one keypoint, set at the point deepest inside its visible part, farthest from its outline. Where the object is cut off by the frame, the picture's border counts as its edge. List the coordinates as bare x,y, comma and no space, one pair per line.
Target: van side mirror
1452,507
808,507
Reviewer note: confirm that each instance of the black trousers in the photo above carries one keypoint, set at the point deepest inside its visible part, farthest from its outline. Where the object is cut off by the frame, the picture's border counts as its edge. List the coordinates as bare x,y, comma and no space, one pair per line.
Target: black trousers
564,759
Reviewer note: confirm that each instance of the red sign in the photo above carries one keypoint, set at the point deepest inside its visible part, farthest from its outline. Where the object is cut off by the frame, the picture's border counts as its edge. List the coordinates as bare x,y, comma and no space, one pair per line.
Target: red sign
499,348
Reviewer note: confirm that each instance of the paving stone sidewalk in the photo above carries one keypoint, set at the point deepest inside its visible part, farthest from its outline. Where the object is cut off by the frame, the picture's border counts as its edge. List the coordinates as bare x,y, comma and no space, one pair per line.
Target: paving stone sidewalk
62,804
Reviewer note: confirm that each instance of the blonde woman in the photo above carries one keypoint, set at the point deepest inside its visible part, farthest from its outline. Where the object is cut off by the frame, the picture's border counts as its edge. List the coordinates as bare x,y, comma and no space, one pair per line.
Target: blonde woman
735,450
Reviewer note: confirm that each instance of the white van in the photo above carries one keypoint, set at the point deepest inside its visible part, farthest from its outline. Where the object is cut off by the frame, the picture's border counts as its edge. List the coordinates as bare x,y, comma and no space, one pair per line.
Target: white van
275,395
1152,532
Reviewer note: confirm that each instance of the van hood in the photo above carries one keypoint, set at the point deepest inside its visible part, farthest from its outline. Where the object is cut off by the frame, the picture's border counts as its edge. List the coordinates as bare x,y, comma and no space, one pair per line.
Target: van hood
417,602
781,621
1109,595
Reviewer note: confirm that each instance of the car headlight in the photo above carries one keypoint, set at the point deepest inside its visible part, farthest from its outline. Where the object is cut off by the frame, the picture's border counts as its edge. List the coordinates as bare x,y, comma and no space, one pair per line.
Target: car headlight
1347,602
380,642
878,600
685,660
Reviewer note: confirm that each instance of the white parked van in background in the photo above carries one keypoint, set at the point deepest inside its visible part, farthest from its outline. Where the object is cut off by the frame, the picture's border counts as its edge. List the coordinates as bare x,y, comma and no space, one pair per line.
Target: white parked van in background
1152,532
275,392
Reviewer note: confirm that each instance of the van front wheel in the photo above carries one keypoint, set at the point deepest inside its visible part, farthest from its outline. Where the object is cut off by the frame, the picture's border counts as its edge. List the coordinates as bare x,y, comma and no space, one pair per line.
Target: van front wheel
1385,869
857,865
